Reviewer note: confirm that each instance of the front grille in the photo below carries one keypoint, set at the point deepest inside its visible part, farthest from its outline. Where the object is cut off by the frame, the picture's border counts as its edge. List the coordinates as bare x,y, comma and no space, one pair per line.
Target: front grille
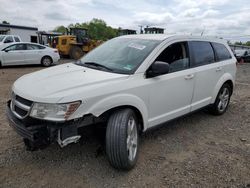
20,111
23,101
20,106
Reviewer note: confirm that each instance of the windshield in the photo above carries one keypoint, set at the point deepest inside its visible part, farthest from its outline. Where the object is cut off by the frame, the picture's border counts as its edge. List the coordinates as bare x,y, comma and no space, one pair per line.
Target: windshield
1,37
120,55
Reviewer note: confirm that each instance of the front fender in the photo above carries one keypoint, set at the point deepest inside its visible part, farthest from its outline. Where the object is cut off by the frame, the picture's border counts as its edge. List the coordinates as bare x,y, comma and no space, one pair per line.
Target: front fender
120,100
219,84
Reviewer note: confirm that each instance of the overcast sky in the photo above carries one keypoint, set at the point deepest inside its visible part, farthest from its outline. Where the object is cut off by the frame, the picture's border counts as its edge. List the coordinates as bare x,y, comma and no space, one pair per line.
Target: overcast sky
227,18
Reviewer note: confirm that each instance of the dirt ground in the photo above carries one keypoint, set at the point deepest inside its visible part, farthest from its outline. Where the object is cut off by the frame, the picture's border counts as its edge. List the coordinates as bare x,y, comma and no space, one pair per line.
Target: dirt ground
199,150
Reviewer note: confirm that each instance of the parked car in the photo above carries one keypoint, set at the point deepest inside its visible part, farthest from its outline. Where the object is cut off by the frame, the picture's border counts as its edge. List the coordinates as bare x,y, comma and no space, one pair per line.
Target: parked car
24,53
242,55
5,39
129,84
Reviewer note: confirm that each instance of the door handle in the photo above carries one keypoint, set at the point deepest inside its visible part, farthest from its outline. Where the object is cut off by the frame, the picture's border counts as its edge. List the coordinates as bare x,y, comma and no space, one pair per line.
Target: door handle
189,77
218,69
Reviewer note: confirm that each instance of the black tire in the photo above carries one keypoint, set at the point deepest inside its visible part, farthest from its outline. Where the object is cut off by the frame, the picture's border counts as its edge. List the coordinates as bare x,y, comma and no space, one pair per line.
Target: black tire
117,137
46,61
76,52
216,108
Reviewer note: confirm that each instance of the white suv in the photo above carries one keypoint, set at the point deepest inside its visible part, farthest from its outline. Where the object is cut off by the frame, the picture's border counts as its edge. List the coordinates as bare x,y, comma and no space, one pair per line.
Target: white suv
5,39
130,84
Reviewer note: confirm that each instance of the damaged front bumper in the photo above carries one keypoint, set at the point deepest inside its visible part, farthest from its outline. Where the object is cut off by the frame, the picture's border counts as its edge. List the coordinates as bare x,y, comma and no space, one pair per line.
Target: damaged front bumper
38,134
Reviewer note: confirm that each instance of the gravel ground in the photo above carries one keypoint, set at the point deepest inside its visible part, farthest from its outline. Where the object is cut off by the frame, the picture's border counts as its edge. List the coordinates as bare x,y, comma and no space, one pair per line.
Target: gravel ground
199,150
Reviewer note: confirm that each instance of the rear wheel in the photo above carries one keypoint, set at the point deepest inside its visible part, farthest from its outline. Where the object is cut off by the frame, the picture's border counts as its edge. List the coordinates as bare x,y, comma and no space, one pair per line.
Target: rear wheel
122,139
46,61
222,100
76,52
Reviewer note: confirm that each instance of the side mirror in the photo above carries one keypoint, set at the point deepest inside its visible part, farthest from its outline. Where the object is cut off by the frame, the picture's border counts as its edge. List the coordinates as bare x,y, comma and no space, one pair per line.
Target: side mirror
6,50
158,68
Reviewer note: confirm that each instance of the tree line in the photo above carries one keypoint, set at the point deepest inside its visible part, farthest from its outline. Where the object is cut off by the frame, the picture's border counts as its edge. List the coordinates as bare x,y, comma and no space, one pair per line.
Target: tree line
243,43
97,29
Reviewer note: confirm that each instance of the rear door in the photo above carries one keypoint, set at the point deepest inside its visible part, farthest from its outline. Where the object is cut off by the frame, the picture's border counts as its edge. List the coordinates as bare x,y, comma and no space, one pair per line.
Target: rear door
14,55
33,55
207,72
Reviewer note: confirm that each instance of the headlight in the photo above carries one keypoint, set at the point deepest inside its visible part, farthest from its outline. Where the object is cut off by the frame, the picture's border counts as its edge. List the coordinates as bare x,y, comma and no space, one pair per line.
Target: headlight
54,112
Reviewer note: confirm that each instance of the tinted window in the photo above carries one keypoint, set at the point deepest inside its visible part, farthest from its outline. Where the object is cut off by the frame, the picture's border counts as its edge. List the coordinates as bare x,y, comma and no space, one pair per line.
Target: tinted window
16,47
8,39
221,52
34,47
17,39
202,53
176,55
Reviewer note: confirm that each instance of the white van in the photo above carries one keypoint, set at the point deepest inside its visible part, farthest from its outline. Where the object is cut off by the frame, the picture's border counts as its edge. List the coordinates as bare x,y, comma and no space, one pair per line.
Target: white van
130,84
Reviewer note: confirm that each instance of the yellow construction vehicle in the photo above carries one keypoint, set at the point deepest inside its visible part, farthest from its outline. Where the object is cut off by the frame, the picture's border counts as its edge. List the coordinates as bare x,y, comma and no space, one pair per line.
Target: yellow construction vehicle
75,44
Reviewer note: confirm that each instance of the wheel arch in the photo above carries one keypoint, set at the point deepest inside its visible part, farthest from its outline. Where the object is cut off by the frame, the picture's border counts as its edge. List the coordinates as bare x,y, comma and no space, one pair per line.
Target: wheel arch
226,78
136,110
108,105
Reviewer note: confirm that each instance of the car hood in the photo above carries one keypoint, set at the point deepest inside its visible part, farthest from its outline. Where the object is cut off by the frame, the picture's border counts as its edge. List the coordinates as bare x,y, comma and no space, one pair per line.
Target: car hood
55,83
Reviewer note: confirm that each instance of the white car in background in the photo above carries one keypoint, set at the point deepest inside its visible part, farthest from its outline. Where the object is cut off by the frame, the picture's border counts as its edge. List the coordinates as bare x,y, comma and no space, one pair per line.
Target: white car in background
6,39
24,53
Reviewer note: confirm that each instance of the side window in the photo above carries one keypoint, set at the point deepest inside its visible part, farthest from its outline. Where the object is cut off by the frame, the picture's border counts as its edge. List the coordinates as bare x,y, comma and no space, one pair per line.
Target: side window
16,47
41,47
17,39
176,55
8,39
202,52
32,47
221,52
20,47
64,41
11,48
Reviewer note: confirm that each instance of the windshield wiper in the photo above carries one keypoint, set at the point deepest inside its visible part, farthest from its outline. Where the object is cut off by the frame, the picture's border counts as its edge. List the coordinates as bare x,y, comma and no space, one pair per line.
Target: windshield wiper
97,65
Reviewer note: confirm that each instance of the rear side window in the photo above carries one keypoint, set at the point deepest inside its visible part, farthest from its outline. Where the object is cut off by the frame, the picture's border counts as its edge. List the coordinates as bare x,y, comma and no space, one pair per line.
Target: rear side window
41,47
221,51
17,39
202,53
34,47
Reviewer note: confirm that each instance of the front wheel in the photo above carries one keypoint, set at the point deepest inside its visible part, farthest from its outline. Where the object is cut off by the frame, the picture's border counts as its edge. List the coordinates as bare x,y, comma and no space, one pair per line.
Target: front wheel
76,52
122,139
222,100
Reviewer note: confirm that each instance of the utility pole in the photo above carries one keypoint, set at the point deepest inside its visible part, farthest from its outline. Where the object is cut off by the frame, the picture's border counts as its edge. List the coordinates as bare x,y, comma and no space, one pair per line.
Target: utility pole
141,31
203,31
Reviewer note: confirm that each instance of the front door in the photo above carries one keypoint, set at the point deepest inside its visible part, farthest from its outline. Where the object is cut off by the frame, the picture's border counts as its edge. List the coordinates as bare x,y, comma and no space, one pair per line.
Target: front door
14,55
170,95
